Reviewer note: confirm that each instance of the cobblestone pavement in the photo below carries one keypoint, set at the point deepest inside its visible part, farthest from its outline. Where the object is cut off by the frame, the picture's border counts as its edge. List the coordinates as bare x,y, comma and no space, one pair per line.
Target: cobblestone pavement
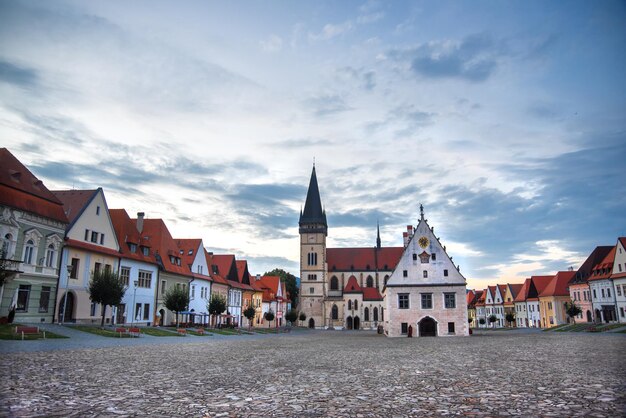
317,373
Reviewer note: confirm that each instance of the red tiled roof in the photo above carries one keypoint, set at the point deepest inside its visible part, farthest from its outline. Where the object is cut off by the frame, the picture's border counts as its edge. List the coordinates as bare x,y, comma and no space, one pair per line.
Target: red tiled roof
74,201
537,285
371,293
91,247
480,299
190,247
363,259
603,269
558,285
20,189
126,231
242,272
164,246
352,286
514,288
522,294
269,285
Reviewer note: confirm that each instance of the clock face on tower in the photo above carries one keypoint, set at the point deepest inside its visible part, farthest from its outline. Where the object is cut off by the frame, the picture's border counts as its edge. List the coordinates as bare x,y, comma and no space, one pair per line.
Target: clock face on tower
423,242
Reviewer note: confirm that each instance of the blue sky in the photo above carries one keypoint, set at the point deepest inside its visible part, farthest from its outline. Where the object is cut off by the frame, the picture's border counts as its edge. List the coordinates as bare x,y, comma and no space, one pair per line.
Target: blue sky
507,120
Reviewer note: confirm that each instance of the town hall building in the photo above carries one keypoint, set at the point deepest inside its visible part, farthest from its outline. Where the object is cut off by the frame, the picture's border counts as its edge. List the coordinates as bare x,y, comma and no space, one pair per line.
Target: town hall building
378,287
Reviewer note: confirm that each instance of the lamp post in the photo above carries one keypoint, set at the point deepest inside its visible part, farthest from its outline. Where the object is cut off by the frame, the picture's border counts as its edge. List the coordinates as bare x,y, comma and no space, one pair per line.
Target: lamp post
132,319
67,283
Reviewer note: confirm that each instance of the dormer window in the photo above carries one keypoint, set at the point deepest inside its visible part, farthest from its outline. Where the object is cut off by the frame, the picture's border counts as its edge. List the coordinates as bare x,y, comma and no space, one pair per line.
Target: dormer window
145,251
214,269
132,247
181,252
190,252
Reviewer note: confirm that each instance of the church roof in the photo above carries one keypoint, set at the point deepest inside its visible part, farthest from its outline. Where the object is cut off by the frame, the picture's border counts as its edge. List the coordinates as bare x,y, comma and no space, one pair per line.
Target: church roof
313,212
352,286
363,259
371,293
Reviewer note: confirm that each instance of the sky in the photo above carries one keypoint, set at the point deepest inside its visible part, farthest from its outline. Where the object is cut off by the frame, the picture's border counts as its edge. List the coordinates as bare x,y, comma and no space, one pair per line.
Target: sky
506,120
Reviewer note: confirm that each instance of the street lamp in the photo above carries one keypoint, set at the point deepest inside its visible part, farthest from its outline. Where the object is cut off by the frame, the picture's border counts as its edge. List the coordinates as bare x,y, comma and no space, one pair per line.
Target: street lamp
67,283
132,319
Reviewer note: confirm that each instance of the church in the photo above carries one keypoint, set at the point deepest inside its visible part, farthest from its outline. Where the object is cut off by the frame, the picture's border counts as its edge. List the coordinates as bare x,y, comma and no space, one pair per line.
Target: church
413,290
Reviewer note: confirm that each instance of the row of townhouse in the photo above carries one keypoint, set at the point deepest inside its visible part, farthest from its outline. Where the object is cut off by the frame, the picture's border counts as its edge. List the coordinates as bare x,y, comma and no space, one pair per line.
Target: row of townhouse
598,288
53,241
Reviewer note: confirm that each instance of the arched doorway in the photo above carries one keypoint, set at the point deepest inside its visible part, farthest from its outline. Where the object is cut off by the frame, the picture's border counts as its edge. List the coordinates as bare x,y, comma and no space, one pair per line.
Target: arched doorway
356,322
162,317
311,323
598,316
589,319
349,322
427,327
65,315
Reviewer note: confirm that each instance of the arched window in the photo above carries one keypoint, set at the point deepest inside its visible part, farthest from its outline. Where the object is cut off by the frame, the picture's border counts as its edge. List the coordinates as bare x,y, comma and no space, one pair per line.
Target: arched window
50,253
375,314
334,313
356,304
370,282
29,249
334,283
366,314
312,259
349,304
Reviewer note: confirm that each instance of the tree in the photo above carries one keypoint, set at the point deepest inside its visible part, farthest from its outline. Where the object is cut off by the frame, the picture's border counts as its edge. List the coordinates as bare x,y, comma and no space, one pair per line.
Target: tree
249,313
290,283
106,288
302,317
510,317
572,310
176,299
481,321
217,304
269,317
291,316
492,319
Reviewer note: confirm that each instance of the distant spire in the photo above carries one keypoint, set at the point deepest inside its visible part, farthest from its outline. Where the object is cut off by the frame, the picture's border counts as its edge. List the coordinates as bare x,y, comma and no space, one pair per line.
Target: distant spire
377,235
421,212
313,212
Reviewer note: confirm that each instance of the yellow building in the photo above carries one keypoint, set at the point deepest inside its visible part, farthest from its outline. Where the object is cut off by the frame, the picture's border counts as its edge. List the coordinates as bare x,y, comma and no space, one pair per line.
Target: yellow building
553,298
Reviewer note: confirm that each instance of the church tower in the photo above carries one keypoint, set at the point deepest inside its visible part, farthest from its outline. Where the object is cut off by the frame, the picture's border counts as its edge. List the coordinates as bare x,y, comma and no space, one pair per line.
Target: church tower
313,231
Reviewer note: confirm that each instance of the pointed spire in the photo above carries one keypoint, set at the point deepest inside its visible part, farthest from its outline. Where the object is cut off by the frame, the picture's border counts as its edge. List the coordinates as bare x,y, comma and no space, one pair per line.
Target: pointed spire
313,212
377,235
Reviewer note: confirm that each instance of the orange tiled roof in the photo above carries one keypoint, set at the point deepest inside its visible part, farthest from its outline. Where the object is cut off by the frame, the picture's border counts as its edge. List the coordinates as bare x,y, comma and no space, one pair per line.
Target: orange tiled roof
603,269
352,286
91,247
371,293
126,231
164,246
20,189
537,285
190,248
558,285
74,201
363,259
522,295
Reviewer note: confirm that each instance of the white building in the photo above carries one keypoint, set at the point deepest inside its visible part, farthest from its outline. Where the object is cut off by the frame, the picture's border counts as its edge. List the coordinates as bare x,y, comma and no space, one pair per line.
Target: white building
619,278
425,295
200,286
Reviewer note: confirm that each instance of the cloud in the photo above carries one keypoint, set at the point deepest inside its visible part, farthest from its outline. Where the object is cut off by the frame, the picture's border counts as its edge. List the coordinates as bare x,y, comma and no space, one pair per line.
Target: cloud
403,120
326,104
18,75
301,143
366,79
474,58
370,18
330,31
273,44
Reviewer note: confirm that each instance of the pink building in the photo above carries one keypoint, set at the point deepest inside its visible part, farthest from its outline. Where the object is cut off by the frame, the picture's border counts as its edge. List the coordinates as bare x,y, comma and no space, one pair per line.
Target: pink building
579,287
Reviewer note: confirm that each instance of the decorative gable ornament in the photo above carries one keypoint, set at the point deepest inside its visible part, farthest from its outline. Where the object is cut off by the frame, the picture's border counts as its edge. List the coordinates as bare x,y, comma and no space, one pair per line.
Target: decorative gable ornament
424,257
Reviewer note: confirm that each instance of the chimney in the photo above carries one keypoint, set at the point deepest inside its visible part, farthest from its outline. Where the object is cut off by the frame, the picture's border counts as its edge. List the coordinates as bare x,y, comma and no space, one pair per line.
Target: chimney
405,238
140,216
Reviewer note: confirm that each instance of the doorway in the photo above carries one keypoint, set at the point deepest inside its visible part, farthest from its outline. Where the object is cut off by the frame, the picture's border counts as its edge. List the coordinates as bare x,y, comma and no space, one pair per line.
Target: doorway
66,314
427,327
311,323
356,322
349,322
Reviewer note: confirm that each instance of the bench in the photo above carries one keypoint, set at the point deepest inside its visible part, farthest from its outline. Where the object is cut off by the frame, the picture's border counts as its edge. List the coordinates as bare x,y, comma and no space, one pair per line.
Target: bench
181,331
29,331
121,331
134,332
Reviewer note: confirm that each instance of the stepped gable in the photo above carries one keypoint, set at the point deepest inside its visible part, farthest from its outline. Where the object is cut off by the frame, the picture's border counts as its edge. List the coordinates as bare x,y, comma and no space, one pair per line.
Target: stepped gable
522,295
604,268
352,286
164,247
126,231
558,285
20,189
596,256
363,259
75,202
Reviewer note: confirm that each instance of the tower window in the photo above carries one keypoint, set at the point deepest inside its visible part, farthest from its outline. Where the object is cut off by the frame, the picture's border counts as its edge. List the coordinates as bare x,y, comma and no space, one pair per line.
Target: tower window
312,259
445,273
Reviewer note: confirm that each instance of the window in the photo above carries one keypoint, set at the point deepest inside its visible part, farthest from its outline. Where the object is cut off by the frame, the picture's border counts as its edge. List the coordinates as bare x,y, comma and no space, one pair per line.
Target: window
125,275
450,327
312,259
101,239
595,296
93,309
445,273
44,299
145,279
602,290
414,256
50,256
23,295
29,249
145,251
434,256
146,311
86,235
132,247
403,301
193,291
74,272
405,273
349,304
312,276
449,300
334,283
96,268
137,311
366,314
163,286
608,293
334,312
404,328
311,290
356,304
618,289
425,273
94,237
369,282
427,300
98,210
375,314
